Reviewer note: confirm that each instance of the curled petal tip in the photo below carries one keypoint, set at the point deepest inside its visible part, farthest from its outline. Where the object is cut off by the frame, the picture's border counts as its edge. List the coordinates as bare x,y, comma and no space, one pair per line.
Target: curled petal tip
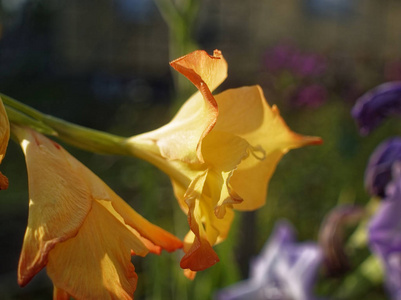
302,140
217,53
313,140
200,257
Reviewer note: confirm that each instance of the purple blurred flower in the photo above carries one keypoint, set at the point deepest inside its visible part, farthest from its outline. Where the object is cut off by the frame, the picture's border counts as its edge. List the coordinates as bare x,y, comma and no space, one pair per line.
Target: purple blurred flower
375,105
283,270
385,234
379,169
279,57
287,57
305,65
312,95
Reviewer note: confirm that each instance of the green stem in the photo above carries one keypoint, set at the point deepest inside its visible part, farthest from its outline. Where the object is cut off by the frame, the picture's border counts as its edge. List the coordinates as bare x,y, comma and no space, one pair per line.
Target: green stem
180,19
76,135
17,117
90,139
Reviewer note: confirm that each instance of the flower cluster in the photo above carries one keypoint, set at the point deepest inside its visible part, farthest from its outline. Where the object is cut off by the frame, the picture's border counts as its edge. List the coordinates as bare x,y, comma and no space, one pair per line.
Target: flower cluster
220,152
383,179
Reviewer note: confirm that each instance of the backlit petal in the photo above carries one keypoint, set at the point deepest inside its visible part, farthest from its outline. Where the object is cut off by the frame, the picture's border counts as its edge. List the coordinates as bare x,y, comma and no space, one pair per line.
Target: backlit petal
198,67
200,254
182,138
96,263
245,113
59,201
220,153
79,228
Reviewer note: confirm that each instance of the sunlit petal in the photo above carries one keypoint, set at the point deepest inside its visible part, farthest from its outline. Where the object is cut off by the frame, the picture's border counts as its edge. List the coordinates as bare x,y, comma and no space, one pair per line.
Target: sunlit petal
182,137
220,153
96,263
59,201
79,228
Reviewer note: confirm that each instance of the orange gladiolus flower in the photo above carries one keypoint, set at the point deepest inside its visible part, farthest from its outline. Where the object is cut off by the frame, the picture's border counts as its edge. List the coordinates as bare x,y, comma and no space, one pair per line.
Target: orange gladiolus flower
4,137
219,151
79,228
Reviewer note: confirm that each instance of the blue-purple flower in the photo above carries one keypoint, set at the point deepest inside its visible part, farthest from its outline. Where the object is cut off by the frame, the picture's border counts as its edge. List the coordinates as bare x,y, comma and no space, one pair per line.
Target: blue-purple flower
379,169
377,104
283,270
385,233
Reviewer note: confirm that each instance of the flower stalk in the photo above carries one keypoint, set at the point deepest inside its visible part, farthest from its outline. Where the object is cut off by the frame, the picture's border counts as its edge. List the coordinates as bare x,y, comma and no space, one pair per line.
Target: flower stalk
73,134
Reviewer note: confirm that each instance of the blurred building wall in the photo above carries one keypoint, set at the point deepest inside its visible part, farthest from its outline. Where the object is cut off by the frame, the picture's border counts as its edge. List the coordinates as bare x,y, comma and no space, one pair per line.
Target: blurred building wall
130,35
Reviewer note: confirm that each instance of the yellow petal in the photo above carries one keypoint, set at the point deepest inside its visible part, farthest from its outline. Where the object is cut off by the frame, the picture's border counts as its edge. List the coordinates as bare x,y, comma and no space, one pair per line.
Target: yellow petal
222,194
245,113
152,233
96,263
4,137
182,138
146,229
223,151
251,180
58,205
199,253
63,196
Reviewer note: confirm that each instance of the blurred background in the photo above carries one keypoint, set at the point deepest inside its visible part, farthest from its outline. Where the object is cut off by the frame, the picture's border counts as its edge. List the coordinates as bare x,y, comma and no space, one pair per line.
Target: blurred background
104,64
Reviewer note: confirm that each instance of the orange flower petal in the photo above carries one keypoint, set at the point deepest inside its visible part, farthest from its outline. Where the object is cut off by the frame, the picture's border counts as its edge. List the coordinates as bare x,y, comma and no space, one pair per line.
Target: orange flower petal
199,257
79,227
151,234
58,205
4,137
199,67
200,254
182,138
96,263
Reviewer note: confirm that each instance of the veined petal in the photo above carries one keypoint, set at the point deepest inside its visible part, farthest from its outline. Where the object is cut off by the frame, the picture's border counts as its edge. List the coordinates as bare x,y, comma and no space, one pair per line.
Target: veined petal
251,180
102,251
225,195
199,254
181,139
244,112
199,67
59,200
155,236
146,229
78,226
4,137
223,151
